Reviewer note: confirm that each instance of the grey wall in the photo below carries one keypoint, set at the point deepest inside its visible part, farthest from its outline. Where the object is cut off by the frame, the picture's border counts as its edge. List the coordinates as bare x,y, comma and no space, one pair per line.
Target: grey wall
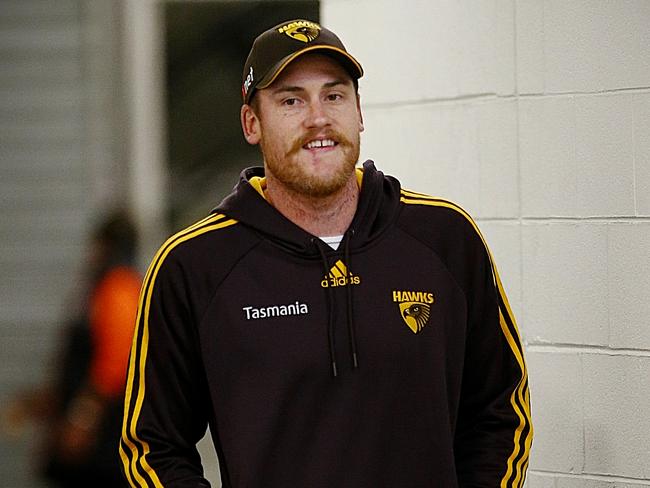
60,164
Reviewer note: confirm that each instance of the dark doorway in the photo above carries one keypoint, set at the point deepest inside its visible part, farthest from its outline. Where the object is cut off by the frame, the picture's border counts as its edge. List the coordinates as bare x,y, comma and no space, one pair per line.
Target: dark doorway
206,46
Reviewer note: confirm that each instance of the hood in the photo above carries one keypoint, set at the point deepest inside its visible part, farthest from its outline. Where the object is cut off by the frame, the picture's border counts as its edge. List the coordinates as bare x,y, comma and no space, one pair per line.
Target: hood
377,207
376,210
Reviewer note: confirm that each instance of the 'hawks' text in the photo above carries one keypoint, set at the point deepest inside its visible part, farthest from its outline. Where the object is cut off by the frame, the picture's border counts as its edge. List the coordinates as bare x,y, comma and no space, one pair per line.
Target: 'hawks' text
412,296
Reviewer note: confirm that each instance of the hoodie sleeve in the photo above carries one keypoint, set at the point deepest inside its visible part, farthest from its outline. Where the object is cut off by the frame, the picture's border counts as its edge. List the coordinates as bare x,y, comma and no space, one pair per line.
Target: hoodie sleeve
166,397
492,427
494,430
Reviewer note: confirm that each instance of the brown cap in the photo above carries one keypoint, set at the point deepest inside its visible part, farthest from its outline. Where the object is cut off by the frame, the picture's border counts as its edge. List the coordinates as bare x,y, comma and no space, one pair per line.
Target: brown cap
275,48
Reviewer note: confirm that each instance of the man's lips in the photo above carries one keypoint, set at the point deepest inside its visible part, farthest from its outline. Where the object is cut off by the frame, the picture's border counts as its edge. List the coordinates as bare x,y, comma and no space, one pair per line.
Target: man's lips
315,142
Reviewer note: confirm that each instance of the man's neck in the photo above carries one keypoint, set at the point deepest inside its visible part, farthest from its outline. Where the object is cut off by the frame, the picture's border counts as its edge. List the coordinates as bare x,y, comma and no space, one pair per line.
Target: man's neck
326,216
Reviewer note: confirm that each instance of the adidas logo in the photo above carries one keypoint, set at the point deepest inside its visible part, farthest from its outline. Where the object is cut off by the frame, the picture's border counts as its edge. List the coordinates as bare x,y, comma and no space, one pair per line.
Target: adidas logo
338,276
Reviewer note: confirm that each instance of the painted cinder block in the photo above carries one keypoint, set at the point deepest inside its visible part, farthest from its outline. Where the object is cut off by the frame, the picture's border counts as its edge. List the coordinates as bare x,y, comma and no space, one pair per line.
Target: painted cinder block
429,147
485,32
504,241
559,480
530,46
617,415
628,267
577,156
557,405
565,282
429,50
465,152
566,482
642,153
496,125
534,480
398,47
547,156
582,46
570,32
605,155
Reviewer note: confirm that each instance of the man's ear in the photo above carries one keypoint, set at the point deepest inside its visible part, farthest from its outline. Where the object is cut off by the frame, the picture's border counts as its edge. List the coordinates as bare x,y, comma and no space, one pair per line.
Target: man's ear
250,124
360,113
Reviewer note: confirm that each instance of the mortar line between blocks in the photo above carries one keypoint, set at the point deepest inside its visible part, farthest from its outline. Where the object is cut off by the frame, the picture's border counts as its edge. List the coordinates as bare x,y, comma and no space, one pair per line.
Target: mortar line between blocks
613,219
496,96
591,477
532,346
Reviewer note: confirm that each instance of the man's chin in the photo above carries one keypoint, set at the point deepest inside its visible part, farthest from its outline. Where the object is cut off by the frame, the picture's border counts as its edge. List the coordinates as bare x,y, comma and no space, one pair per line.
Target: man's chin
314,177
324,186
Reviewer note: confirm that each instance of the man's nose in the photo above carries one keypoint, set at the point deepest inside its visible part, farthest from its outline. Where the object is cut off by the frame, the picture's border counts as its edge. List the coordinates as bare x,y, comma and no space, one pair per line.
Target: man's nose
318,115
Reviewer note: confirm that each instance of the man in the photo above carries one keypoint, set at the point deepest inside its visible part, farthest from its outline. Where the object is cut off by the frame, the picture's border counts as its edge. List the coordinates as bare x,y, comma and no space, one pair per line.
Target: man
332,329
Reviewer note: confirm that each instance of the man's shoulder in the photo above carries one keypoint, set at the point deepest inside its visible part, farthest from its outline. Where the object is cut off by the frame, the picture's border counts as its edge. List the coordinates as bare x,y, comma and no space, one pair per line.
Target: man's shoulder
197,258
208,231
214,240
436,210
439,222
448,231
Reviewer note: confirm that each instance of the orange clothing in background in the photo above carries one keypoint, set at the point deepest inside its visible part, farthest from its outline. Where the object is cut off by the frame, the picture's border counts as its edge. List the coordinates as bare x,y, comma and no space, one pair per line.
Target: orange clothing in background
113,309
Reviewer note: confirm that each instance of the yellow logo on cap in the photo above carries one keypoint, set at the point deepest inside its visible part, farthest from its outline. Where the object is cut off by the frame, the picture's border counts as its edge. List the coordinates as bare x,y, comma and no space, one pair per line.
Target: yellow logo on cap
301,30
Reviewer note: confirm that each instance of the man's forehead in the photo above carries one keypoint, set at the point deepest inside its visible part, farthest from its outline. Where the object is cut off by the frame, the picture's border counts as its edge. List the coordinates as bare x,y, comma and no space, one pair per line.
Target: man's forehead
310,68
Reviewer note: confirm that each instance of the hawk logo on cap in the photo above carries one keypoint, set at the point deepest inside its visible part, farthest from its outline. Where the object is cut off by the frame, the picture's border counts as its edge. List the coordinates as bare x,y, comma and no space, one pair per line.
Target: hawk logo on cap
301,30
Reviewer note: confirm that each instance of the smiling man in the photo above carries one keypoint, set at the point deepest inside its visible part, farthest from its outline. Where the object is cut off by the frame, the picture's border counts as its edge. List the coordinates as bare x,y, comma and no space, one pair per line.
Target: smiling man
308,124
333,329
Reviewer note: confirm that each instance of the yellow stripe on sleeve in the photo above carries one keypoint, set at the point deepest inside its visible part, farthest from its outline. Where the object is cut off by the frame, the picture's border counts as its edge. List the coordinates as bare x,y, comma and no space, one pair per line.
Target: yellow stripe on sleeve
130,437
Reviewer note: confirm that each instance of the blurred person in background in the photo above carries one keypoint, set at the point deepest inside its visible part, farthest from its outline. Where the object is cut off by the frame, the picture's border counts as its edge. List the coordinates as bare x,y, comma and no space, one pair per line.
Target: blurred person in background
82,408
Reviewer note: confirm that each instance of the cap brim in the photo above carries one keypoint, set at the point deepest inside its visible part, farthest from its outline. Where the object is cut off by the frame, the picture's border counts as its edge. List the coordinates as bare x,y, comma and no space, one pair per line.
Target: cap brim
351,64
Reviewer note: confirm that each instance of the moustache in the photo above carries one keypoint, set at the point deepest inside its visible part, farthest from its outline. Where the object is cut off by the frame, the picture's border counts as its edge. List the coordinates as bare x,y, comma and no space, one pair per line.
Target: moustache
298,144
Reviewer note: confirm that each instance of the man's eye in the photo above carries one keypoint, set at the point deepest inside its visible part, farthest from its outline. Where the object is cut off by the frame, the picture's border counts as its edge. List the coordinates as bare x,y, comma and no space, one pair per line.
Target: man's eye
290,102
334,97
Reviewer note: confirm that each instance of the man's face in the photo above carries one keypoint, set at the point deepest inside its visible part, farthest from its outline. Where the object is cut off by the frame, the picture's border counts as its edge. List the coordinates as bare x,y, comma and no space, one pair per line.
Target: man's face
308,124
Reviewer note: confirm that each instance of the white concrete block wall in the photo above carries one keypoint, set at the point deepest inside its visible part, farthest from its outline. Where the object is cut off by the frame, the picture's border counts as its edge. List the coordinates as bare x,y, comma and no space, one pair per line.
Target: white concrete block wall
469,148
629,283
557,309
504,238
535,116
642,153
616,414
577,155
558,411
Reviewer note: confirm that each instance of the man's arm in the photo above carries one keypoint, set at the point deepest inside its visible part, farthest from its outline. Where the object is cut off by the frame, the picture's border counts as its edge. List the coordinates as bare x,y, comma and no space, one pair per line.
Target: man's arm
494,430
166,395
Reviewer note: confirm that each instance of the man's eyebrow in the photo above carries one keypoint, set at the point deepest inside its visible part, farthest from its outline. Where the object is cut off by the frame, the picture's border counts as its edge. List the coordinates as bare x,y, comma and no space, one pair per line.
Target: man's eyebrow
334,83
297,89
287,88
